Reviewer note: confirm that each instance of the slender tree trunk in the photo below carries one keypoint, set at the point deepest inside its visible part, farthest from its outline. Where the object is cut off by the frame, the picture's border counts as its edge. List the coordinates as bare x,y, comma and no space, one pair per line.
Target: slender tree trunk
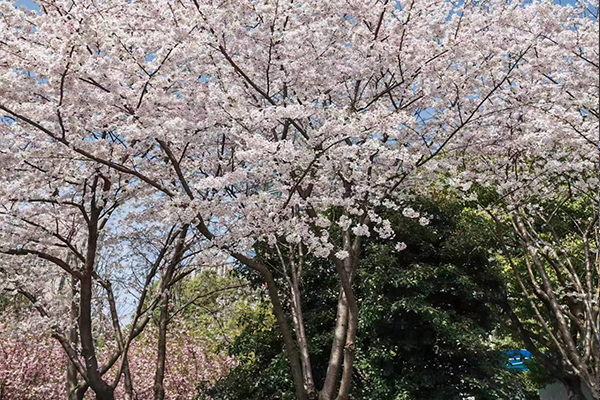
103,390
346,324
349,346
71,369
337,349
288,339
551,300
349,351
309,383
290,345
161,360
159,388
128,382
298,319
77,393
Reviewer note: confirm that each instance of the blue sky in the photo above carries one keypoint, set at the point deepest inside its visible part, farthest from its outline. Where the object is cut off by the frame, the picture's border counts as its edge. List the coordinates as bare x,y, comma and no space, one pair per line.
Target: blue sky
28,4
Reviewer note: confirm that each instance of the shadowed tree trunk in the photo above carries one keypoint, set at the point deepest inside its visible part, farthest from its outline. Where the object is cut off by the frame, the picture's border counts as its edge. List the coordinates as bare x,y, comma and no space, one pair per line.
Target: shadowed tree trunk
163,322
574,391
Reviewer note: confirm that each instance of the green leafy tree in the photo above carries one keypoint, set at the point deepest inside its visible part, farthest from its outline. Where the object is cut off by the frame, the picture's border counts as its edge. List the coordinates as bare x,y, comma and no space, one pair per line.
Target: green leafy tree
425,322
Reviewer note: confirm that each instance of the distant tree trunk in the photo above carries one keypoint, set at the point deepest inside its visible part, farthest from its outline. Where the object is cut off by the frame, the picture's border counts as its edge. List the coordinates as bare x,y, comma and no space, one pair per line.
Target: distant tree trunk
119,335
163,322
571,330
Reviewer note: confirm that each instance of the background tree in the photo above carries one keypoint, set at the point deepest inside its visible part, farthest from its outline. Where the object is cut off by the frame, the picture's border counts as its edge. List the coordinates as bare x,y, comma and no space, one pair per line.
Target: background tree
551,252
536,176
63,234
427,316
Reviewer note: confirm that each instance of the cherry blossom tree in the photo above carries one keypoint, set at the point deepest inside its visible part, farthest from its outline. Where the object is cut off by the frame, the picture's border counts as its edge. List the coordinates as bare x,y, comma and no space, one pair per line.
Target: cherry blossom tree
273,126
65,239
51,239
536,176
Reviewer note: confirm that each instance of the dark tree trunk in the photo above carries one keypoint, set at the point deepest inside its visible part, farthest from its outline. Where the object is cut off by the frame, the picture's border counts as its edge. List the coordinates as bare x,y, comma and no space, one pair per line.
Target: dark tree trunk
574,391
102,389
119,334
77,393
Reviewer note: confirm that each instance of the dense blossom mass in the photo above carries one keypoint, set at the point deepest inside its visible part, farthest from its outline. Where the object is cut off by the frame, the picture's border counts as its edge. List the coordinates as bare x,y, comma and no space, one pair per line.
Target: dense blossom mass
24,372
142,139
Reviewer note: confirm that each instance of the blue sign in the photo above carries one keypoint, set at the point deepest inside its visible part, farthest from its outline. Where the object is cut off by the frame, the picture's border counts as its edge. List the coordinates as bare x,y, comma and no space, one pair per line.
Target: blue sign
517,359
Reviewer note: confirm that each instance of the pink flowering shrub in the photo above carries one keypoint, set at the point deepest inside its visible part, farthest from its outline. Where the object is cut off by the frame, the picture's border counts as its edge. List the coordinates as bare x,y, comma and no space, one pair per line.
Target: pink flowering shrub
34,368
189,366
31,368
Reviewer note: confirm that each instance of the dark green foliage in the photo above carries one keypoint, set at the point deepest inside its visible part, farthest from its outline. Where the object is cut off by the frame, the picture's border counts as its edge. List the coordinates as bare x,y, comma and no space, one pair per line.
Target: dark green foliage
426,315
